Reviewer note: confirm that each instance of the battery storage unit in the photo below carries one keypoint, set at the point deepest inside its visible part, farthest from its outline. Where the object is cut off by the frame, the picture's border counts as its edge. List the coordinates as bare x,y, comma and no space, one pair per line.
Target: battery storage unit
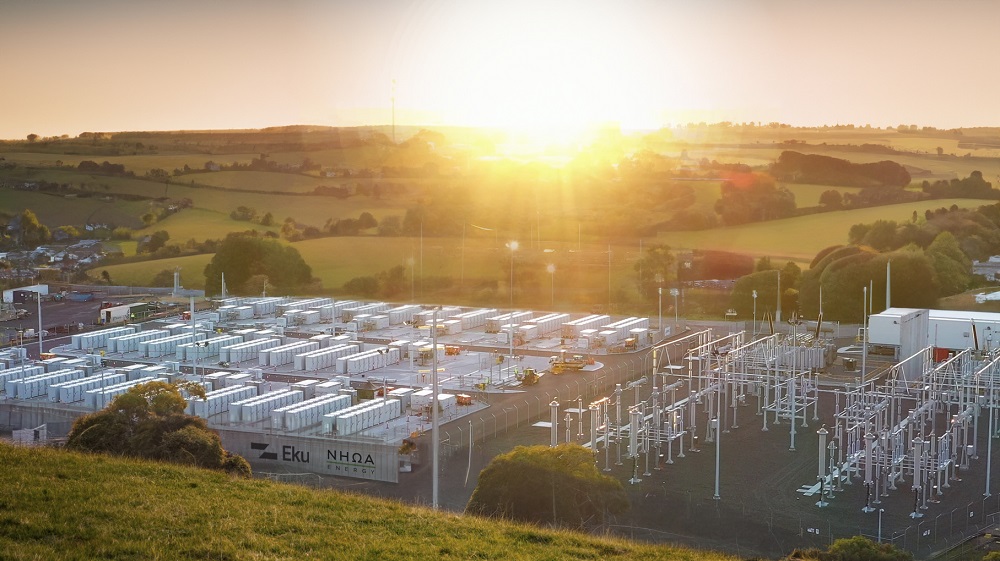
18,373
256,408
38,385
75,390
98,339
362,416
99,398
574,328
130,343
218,401
309,412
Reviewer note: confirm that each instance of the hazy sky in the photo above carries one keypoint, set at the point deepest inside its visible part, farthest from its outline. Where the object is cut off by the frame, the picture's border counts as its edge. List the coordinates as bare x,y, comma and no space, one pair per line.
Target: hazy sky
110,65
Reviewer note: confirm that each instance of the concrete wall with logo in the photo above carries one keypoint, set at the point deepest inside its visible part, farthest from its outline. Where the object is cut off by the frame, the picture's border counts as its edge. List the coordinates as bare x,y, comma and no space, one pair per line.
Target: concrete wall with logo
327,456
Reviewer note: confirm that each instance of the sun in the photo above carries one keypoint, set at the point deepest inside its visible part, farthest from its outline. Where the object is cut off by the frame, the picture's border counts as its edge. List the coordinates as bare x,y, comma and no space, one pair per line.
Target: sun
552,71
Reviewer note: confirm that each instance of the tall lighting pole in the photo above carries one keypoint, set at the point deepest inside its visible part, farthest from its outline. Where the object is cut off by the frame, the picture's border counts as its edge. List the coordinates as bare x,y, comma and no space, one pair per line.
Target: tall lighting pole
755,313
513,247
551,268
38,297
434,412
659,324
675,293
777,315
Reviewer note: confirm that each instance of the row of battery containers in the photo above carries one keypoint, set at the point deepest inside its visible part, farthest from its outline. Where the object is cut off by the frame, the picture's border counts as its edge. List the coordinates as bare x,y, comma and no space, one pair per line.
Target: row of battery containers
155,348
327,340
329,312
368,360
206,348
248,350
309,412
61,362
98,339
362,416
285,354
220,380
11,378
265,306
99,397
494,324
253,409
218,401
533,328
37,384
300,317
624,328
473,319
299,305
324,358
251,334
13,356
351,312
573,329
421,401
229,312
549,323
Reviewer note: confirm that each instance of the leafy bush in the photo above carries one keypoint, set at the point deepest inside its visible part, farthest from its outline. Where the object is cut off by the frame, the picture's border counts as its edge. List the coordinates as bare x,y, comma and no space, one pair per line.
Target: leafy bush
148,421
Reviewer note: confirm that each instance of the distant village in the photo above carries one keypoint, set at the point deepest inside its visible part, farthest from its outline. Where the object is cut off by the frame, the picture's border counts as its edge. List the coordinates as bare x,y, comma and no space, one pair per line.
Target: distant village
59,260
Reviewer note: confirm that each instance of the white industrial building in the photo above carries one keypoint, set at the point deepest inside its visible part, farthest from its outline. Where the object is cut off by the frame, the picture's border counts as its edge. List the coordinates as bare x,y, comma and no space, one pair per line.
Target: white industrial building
8,295
911,329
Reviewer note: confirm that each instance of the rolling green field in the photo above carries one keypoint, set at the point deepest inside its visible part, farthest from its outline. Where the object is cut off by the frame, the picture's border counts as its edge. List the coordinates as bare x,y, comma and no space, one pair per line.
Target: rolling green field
262,181
59,210
810,233
139,164
63,505
200,225
567,209
140,274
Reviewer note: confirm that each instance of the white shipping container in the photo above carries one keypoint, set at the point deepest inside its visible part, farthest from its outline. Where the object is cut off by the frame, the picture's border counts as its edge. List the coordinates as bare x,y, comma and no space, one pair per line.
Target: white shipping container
328,387
98,339
549,323
576,327
493,324
130,343
310,317
307,387
53,364
75,390
38,385
218,401
475,318
249,350
18,373
528,332
100,398
609,336
402,314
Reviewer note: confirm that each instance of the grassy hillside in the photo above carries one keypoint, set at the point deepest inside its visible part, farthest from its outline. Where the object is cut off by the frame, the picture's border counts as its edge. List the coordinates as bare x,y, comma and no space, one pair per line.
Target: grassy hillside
333,259
810,233
59,505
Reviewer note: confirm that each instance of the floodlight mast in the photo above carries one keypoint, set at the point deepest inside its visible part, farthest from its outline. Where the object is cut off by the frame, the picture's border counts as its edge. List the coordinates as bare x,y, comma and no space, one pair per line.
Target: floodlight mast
434,412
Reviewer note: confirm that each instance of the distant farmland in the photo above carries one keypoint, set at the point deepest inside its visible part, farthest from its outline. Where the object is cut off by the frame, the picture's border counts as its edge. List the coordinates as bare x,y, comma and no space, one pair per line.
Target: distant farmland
802,237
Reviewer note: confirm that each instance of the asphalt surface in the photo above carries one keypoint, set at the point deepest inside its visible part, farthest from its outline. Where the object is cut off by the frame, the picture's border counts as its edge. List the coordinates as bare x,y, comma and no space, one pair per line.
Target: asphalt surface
54,314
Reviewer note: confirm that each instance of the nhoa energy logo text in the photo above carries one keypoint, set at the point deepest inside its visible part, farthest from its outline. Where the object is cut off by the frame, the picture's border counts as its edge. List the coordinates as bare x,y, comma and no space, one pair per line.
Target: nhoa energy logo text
343,461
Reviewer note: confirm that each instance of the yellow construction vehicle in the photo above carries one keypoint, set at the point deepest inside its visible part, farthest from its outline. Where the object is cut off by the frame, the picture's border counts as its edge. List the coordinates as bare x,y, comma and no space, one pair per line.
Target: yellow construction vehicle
561,363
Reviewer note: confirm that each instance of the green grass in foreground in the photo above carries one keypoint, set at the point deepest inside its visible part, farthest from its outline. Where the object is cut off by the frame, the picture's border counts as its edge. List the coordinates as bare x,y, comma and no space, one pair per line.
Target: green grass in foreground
60,505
